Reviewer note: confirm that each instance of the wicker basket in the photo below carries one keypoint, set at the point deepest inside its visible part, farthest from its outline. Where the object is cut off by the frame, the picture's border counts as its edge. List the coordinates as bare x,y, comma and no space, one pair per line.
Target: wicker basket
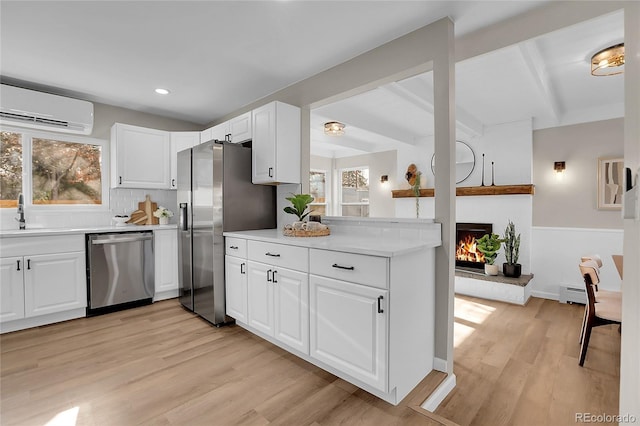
305,233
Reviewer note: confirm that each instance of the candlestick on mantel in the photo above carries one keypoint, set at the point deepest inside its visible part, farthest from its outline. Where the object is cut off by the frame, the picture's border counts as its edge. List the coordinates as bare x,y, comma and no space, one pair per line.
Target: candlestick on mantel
493,183
482,183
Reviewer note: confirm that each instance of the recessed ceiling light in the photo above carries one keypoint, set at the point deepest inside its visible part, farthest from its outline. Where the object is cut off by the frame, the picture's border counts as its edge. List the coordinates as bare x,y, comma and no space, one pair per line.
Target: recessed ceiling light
161,91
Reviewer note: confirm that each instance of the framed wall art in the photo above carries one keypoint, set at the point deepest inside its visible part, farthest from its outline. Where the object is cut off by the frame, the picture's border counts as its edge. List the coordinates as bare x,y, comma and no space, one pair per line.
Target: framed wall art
610,183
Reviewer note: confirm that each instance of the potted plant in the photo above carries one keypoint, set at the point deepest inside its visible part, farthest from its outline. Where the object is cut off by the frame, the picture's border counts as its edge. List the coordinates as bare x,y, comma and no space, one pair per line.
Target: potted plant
511,268
163,214
489,245
299,204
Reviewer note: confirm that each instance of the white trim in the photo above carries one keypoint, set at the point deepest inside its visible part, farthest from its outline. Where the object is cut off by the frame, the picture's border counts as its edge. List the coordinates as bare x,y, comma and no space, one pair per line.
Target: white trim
441,392
440,364
25,323
553,229
544,295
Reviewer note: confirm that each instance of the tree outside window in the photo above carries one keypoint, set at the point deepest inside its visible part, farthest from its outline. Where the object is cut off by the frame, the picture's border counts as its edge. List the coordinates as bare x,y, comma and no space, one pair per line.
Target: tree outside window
355,192
61,172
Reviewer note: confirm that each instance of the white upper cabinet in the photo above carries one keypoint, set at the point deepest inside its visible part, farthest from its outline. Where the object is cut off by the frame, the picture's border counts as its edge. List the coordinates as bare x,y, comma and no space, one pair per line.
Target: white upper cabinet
240,128
276,144
179,142
140,157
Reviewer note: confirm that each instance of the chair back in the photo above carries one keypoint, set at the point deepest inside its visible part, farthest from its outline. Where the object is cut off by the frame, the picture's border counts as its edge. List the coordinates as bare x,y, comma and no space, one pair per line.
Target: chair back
595,257
589,271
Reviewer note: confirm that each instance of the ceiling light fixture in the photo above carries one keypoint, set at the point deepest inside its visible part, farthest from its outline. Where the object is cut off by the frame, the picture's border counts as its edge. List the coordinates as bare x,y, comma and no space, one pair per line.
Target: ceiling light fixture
161,91
609,61
334,128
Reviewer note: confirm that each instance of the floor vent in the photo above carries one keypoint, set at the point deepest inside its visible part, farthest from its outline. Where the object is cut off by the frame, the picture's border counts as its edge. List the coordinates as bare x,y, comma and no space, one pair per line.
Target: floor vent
570,293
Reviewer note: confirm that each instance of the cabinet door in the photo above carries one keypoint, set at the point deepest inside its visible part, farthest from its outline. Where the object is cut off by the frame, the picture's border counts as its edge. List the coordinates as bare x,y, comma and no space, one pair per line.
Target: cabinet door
219,132
142,157
260,297
240,128
54,283
166,260
180,141
349,329
11,288
235,283
264,144
291,308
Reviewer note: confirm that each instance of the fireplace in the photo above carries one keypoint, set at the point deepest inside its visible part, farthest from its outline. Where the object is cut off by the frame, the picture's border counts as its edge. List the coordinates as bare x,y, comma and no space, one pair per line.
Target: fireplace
466,235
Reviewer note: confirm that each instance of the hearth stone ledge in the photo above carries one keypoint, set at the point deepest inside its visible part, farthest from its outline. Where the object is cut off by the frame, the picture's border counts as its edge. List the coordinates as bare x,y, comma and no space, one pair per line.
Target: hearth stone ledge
477,274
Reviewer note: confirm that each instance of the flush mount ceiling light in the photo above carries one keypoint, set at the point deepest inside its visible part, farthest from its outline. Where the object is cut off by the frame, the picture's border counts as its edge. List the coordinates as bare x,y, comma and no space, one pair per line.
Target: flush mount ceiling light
162,91
334,128
609,61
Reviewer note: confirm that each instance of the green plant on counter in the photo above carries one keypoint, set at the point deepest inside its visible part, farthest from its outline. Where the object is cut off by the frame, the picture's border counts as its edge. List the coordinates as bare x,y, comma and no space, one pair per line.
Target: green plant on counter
511,244
299,203
489,245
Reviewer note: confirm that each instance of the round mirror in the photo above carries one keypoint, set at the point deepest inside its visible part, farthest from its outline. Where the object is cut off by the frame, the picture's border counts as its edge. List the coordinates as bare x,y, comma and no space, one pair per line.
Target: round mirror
465,161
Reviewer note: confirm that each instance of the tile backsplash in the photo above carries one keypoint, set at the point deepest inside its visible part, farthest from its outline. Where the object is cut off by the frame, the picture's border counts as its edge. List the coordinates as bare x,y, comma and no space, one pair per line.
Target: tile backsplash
121,201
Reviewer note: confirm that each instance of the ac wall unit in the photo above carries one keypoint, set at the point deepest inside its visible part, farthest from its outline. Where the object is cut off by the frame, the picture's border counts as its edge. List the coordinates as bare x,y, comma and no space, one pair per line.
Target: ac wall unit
38,110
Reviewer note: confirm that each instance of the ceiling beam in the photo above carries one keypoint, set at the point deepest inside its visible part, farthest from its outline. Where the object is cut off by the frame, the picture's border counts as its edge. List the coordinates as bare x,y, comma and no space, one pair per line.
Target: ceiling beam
465,121
536,66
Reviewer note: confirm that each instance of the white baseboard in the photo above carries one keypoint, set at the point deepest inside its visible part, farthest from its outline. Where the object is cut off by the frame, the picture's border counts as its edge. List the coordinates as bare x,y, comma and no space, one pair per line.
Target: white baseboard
440,364
544,295
440,393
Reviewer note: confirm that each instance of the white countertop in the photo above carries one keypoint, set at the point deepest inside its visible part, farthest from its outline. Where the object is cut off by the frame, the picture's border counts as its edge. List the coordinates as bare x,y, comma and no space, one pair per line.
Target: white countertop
374,245
39,232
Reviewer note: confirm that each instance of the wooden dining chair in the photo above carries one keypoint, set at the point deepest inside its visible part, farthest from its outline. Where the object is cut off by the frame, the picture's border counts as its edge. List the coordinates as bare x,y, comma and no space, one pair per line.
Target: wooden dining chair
597,313
601,295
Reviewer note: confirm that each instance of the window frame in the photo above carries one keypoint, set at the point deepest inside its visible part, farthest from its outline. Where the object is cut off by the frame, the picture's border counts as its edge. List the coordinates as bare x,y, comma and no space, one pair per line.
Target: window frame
327,190
340,202
27,136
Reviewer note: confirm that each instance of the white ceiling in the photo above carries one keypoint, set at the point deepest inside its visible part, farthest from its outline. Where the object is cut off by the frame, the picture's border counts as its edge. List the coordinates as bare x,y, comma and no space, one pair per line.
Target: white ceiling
217,56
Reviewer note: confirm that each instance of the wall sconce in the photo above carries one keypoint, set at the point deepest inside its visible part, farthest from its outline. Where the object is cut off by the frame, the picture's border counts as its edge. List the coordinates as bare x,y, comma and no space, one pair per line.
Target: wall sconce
384,179
559,167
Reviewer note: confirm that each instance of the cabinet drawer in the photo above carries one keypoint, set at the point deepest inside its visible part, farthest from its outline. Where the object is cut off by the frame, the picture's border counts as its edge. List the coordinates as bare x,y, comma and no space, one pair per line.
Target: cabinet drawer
283,255
358,268
235,247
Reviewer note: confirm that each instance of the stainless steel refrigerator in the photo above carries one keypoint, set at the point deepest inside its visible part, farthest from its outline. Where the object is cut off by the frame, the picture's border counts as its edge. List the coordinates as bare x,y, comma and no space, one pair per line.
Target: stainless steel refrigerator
215,194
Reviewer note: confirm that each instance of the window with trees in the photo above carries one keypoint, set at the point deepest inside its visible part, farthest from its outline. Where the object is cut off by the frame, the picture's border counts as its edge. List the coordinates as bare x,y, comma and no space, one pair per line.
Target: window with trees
354,193
51,169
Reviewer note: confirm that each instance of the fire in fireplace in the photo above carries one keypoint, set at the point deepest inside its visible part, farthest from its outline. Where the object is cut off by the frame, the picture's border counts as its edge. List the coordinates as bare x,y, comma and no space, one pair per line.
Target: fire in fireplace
467,255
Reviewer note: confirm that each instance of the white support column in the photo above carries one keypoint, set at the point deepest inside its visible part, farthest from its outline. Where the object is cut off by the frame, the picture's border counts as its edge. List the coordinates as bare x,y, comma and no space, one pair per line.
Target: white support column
445,199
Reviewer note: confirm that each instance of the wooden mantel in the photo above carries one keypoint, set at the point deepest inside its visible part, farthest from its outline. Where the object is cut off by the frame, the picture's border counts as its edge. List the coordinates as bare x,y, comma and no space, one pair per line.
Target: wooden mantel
462,191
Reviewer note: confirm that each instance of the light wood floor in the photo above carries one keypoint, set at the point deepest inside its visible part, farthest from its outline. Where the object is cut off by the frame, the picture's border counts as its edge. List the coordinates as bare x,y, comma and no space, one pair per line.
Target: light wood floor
160,365
519,365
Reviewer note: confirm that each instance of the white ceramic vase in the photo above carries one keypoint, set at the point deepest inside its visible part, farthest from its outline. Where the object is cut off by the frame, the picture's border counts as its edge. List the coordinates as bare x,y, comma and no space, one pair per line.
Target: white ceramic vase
490,269
164,220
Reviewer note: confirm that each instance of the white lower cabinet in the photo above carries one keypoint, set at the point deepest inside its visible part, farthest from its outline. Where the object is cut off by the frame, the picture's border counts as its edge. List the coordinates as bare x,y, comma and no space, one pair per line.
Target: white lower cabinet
278,304
235,283
11,289
41,287
165,243
349,329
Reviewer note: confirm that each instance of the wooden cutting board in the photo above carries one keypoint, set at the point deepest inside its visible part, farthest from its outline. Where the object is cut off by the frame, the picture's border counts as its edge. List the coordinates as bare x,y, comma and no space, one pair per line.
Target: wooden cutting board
144,214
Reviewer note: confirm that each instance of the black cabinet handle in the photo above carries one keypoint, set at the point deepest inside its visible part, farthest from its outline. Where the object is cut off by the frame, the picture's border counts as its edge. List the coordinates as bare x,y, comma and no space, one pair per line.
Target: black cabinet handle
272,254
233,247
270,171
18,265
173,182
29,264
268,278
348,268
120,180
242,268
380,310
227,137
273,276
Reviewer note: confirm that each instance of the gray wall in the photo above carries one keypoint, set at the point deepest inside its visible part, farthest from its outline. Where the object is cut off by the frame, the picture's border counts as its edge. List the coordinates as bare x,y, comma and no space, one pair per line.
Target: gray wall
572,202
106,115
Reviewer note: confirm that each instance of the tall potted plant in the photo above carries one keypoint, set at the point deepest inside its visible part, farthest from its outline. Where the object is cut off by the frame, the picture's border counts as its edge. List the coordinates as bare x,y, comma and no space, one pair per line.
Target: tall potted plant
489,245
511,268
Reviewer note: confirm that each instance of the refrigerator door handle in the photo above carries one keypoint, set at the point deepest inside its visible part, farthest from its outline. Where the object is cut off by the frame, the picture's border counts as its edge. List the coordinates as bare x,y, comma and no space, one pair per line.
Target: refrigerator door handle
184,220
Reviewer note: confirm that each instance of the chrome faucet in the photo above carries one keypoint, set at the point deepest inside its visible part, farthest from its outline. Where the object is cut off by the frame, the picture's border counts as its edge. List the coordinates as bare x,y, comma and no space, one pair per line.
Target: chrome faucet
20,219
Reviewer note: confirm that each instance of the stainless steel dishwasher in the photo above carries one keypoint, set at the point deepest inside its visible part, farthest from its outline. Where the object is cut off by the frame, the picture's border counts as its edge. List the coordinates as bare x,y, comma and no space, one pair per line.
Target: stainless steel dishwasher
120,271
